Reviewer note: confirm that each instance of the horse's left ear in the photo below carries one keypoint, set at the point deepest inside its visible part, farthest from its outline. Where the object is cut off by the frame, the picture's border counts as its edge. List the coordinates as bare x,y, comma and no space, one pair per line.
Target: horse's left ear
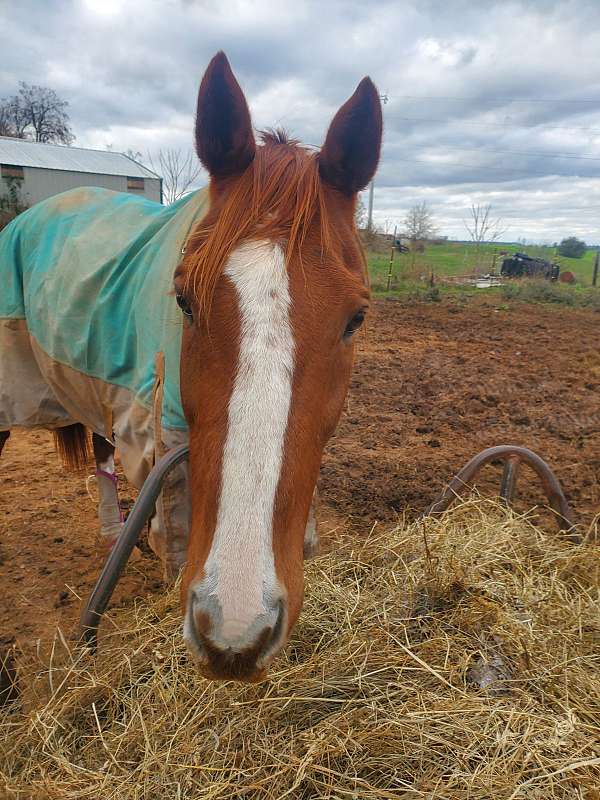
224,138
350,155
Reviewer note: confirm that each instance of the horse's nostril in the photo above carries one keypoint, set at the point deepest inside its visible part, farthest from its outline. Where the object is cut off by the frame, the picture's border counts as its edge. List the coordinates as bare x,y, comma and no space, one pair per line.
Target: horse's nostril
232,648
276,634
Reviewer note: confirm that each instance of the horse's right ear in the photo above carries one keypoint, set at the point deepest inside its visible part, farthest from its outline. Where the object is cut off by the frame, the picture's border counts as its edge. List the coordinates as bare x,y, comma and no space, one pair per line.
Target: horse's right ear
224,138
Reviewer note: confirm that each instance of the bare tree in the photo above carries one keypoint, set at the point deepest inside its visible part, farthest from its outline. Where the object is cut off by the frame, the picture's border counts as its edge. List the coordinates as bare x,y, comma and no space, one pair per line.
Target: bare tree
418,223
38,113
134,155
482,226
6,128
360,214
178,171
13,121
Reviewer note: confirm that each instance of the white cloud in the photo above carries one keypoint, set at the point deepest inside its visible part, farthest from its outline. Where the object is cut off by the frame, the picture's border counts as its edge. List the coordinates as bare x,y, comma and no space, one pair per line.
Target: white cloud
483,98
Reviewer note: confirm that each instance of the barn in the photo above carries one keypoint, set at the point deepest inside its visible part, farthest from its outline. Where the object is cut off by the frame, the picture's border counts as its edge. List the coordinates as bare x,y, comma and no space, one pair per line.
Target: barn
32,171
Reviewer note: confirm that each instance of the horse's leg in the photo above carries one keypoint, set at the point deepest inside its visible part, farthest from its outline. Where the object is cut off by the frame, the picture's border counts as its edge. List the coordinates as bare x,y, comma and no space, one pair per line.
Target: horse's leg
3,439
109,512
169,527
311,534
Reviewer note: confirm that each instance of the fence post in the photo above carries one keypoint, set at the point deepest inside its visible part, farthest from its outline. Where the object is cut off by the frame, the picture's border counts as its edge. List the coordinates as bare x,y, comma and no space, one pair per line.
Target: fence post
595,277
389,278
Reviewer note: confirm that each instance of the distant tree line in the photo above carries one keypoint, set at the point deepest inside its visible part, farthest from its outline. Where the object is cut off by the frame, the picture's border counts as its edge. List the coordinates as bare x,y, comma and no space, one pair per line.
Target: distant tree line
36,113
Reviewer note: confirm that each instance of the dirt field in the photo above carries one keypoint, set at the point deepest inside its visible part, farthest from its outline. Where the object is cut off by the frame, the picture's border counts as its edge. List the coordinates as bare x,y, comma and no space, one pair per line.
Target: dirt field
434,384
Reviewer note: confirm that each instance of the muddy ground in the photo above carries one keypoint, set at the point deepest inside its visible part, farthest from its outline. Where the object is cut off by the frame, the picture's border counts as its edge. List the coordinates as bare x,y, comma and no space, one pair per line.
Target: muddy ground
434,384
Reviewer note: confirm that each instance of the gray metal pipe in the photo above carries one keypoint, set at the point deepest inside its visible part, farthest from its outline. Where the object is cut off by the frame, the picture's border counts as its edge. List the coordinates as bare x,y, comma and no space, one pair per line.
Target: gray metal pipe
144,506
512,456
119,555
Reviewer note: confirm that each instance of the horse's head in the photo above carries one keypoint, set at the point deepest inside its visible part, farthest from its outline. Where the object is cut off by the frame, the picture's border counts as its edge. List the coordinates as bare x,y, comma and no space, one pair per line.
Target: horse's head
273,289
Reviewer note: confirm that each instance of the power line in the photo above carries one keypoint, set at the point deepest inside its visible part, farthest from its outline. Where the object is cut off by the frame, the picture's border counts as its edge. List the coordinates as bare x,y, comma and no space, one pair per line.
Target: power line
493,98
485,167
540,153
503,124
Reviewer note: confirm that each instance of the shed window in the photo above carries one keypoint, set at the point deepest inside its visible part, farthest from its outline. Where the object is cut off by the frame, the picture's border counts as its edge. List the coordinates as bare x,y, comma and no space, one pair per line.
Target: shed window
10,171
137,184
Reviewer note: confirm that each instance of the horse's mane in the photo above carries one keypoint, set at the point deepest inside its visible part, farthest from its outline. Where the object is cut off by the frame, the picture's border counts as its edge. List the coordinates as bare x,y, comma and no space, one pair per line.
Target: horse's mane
277,197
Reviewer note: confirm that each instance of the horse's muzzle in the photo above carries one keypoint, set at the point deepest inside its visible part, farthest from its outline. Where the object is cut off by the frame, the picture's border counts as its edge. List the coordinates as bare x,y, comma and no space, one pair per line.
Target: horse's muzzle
226,651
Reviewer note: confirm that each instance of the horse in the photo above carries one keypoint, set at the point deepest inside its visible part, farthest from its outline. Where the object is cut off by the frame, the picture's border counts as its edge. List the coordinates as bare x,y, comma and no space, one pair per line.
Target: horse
237,313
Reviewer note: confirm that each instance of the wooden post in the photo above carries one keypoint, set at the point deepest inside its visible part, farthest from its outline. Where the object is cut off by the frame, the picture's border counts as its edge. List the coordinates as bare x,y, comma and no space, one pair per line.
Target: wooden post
389,278
595,277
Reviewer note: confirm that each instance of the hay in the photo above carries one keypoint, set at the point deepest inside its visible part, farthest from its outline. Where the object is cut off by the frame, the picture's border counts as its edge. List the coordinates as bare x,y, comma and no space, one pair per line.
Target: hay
453,658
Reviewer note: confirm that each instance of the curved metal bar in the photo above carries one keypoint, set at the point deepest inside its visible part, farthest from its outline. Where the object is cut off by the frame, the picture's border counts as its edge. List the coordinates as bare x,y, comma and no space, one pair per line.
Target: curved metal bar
143,507
509,479
119,555
512,455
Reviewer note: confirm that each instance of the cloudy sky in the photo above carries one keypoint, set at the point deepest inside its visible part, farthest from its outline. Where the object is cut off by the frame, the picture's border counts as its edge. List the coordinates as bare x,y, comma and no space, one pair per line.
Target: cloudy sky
492,102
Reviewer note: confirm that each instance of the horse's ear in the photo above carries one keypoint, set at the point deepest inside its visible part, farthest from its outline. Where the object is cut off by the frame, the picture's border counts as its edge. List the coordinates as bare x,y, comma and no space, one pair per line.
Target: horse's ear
350,155
224,139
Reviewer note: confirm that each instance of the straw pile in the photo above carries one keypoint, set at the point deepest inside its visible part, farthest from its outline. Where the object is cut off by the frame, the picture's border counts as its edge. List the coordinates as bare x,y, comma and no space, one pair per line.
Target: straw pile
453,658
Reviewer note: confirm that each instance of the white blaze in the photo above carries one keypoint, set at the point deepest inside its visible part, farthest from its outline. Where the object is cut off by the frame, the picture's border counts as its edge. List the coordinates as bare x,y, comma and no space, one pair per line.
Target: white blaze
240,569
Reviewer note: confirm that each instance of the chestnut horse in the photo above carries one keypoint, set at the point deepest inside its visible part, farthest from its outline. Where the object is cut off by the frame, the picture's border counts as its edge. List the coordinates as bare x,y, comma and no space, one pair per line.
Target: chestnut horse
272,288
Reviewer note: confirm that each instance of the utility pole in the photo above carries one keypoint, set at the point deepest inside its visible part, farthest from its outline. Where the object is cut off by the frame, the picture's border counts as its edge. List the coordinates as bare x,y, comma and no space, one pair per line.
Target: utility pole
370,217
384,98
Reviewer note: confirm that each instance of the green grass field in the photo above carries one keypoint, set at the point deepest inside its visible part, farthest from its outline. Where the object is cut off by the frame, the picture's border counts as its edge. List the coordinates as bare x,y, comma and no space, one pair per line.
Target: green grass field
453,258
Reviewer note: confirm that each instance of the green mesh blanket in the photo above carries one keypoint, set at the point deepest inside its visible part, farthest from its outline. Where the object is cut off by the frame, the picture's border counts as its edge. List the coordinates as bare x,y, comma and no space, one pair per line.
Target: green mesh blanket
91,271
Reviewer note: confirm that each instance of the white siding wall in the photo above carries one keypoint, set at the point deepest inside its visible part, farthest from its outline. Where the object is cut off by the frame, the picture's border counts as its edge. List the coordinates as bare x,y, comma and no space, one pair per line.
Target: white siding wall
38,184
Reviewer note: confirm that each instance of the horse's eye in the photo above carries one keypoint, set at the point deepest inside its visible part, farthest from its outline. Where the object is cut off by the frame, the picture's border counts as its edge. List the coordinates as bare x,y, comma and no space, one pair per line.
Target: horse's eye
184,305
354,324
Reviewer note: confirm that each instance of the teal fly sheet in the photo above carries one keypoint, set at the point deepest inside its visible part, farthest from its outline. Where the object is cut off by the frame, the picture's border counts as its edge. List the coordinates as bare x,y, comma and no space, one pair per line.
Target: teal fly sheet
90,332
90,272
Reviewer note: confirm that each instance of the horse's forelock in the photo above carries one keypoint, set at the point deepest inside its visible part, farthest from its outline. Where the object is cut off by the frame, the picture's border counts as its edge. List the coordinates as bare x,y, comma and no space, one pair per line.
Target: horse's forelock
276,198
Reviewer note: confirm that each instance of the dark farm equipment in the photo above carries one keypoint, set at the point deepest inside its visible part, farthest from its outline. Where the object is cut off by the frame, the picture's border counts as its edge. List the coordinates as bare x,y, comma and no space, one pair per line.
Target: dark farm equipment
520,265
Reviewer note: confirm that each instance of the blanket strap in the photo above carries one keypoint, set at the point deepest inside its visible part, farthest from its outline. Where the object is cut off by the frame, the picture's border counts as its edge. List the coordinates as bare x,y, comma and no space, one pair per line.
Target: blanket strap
107,413
158,391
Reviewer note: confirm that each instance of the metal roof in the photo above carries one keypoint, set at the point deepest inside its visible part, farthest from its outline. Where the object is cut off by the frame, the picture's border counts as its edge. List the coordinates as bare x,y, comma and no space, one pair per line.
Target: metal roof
23,153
